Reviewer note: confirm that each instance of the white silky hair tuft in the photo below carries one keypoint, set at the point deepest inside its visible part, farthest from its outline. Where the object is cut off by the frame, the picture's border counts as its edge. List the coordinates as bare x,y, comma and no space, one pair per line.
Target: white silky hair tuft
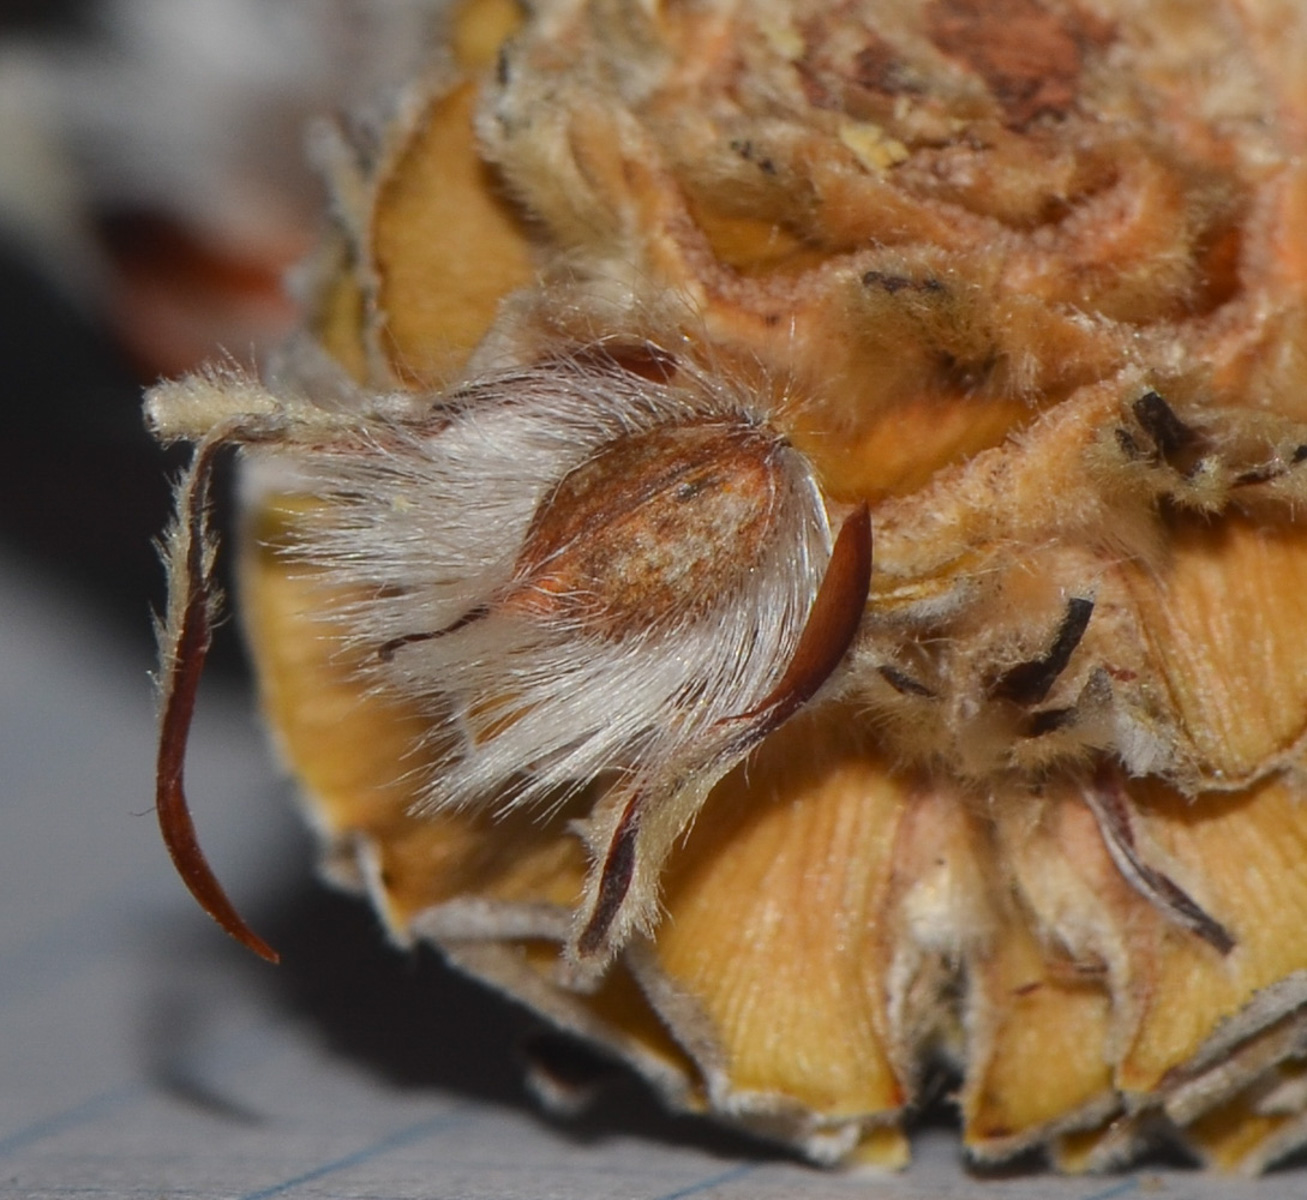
423,528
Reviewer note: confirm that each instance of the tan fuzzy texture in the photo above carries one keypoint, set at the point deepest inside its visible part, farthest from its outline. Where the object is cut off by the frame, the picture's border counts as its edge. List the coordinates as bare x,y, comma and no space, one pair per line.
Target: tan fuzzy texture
1025,281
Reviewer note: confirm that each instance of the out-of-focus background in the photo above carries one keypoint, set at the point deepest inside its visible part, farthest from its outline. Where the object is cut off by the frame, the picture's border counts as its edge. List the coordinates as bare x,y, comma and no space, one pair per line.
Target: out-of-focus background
154,191
146,216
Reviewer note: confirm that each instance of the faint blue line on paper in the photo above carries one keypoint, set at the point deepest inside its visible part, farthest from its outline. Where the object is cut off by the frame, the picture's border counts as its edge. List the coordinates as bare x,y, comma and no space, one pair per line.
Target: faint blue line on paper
706,1185
1120,1189
79,1114
92,1107
402,1137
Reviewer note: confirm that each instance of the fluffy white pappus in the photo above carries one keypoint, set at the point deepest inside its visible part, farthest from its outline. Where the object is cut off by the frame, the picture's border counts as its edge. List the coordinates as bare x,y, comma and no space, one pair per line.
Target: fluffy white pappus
533,687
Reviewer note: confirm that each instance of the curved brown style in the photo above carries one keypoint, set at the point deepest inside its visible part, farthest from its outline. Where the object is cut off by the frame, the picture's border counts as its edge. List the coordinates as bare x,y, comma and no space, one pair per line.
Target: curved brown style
187,651
827,635
1108,801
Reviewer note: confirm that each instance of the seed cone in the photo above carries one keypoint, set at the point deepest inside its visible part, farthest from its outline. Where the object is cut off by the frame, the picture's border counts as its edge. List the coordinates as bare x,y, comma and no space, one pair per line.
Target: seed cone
1025,277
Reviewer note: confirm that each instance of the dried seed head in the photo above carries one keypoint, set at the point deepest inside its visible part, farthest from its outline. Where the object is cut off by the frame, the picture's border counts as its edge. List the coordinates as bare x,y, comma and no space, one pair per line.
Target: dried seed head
1038,266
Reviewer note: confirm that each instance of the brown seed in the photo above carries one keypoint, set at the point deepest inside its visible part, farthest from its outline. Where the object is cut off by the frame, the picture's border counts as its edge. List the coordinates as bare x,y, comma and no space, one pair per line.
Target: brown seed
652,529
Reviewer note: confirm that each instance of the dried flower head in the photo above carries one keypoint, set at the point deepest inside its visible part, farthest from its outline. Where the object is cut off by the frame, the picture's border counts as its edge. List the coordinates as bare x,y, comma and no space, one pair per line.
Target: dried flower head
636,321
